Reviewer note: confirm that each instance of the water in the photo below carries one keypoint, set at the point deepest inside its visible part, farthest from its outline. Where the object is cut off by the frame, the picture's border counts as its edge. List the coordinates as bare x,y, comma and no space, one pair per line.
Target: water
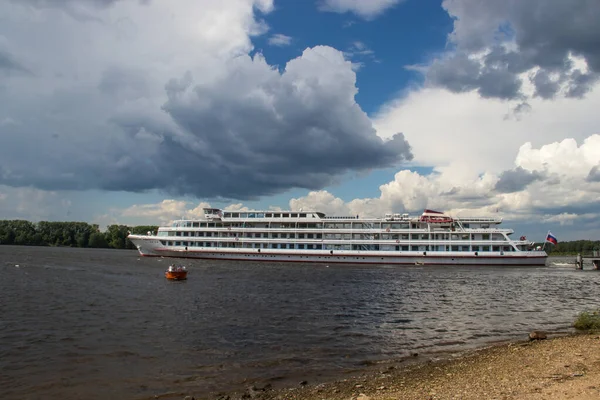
86,323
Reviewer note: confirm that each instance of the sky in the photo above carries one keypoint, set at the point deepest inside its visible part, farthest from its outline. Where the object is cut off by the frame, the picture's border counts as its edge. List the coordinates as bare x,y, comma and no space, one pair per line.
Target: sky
142,111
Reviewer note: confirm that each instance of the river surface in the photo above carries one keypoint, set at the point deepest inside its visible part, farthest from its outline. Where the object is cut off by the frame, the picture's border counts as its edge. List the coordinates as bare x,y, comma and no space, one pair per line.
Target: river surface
106,324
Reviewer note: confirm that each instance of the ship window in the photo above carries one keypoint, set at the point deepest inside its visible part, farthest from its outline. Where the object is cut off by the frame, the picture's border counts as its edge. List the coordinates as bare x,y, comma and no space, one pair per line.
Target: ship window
309,246
301,246
235,215
178,234
454,248
277,215
292,235
404,248
275,235
301,236
294,215
302,215
268,215
185,233
495,248
285,215
309,235
196,224
177,243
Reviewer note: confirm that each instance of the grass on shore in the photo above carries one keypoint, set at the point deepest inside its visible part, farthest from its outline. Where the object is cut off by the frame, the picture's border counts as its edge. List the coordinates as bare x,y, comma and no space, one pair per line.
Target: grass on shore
589,321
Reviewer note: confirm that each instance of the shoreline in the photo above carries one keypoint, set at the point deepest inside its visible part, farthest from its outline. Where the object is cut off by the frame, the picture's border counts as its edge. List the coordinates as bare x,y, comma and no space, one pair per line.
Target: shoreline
560,367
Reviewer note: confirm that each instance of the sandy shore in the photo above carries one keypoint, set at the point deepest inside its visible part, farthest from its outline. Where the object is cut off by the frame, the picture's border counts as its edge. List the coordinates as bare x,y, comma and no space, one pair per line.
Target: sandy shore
557,368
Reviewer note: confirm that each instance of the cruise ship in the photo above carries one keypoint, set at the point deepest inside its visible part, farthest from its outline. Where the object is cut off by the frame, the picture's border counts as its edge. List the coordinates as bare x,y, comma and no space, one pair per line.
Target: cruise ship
432,238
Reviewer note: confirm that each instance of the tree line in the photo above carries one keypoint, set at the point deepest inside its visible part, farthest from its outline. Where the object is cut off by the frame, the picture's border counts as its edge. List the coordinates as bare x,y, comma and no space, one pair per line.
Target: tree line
572,247
68,234
82,234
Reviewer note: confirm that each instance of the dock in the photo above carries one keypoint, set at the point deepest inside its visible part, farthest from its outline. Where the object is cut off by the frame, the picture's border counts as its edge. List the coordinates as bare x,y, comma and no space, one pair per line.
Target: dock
594,258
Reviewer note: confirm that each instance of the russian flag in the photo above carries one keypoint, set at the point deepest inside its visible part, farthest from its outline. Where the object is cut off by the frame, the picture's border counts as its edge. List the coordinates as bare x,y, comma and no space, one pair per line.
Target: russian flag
551,238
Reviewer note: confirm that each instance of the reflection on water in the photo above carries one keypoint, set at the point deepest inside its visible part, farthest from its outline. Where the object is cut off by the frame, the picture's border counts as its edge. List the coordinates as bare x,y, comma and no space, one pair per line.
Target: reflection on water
104,323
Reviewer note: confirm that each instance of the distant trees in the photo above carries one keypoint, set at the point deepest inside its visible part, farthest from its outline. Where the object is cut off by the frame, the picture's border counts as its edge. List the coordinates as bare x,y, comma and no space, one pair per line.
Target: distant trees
70,234
573,247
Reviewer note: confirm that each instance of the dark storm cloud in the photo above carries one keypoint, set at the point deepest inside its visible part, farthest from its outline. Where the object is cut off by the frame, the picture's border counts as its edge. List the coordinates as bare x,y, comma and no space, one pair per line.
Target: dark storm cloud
253,131
594,175
515,180
258,132
546,32
63,3
8,65
545,87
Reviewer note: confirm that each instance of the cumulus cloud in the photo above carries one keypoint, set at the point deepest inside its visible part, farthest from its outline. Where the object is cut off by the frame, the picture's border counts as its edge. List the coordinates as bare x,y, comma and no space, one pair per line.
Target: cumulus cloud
138,112
446,128
33,204
495,45
366,9
516,179
255,131
594,175
556,192
8,65
280,40
558,195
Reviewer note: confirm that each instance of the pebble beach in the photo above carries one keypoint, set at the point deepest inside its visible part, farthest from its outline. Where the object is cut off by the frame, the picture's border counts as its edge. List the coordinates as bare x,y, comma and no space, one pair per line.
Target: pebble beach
565,367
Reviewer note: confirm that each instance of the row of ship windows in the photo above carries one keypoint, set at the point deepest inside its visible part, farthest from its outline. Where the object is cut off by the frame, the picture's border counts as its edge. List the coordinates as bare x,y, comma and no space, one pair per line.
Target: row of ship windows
357,236
302,225
303,246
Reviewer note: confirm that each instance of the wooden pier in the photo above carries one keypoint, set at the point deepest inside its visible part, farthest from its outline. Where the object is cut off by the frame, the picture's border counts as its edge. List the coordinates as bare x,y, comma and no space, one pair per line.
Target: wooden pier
594,258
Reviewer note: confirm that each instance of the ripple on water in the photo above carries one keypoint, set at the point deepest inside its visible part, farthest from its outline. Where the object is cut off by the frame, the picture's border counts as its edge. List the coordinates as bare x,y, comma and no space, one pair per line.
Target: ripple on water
103,324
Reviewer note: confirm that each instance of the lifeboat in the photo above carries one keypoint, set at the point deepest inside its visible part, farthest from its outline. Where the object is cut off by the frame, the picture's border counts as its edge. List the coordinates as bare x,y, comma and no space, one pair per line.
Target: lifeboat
176,273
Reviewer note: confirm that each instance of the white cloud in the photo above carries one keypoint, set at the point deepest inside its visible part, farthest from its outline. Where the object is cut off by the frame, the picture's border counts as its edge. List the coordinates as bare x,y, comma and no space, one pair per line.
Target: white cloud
162,212
367,9
563,196
280,40
33,204
451,129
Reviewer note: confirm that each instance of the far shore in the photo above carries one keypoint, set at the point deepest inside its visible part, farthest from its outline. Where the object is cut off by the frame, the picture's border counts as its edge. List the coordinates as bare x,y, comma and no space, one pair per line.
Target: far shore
561,367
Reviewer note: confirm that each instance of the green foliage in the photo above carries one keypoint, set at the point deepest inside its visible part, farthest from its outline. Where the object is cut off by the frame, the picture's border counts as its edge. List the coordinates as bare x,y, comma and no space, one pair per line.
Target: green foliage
71,234
589,321
97,240
573,247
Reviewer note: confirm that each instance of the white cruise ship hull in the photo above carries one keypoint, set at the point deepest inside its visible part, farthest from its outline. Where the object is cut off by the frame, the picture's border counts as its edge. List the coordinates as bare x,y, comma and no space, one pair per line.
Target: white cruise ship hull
151,247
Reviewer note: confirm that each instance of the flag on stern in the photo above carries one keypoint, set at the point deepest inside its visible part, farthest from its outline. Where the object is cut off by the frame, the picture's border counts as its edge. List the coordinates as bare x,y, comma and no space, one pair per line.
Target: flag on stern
551,238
